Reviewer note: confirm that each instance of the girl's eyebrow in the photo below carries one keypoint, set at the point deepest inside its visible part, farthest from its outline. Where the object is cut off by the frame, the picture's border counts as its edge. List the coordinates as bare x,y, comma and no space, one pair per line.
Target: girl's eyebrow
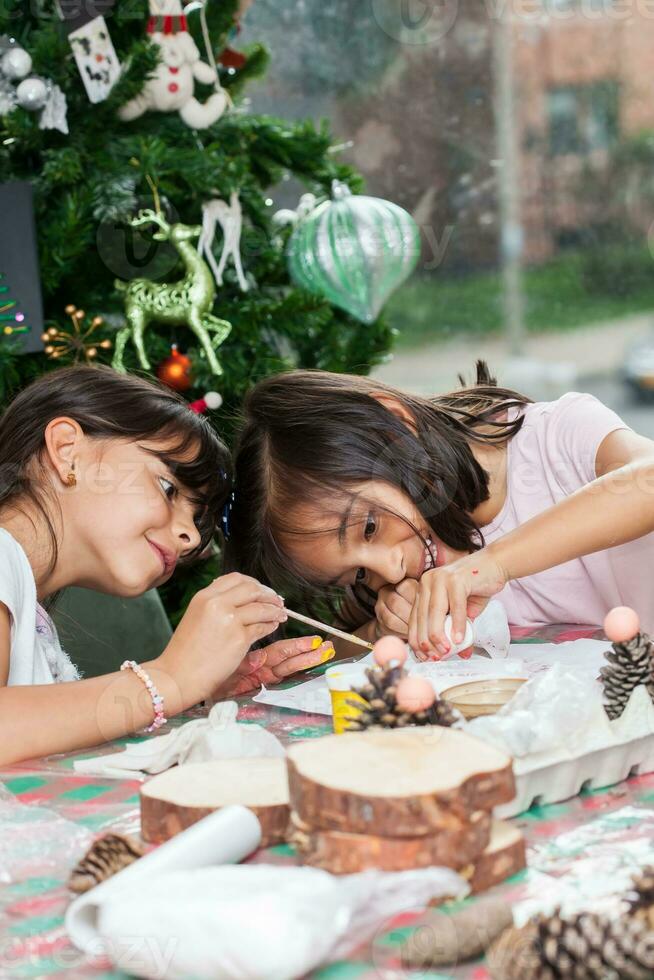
346,519
344,522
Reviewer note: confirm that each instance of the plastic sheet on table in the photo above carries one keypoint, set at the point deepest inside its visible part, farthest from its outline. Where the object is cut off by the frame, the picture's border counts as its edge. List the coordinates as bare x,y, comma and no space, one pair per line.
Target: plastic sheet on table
35,840
588,866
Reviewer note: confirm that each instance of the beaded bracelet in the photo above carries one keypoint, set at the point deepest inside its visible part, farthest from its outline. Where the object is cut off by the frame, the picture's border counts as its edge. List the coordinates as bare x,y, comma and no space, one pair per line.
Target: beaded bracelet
157,699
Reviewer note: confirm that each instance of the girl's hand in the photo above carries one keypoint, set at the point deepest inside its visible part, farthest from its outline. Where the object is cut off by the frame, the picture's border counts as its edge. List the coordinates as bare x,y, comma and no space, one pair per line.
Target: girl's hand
217,630
461,588
393,608
275,663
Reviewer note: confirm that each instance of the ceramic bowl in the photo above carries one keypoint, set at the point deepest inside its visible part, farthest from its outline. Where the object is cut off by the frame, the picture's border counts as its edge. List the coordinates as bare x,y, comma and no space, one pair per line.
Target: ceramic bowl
485,697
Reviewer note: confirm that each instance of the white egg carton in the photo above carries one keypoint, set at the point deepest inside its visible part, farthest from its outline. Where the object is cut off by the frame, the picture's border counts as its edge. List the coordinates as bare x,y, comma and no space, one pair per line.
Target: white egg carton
555,782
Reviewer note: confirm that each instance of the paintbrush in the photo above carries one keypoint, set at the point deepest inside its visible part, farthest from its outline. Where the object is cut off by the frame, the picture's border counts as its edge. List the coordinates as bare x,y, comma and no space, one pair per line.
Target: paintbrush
324,628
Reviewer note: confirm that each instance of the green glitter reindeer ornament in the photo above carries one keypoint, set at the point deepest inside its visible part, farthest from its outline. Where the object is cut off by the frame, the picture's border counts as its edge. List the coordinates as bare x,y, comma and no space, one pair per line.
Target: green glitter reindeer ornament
187,302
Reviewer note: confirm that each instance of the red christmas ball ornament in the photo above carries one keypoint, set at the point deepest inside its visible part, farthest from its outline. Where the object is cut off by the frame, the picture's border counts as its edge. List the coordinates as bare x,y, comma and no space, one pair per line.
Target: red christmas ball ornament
622,624
175,371
415,694
389,649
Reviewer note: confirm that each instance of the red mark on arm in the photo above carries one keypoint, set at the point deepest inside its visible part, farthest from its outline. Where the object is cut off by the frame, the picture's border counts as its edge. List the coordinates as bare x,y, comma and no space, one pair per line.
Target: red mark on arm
475,571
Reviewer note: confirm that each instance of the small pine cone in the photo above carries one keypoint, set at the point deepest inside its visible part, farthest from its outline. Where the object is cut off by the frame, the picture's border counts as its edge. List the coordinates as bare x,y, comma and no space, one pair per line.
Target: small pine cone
617,691
515,956
628,665
381,709
106,856
595,947
640,897
585,947
443,713
636,654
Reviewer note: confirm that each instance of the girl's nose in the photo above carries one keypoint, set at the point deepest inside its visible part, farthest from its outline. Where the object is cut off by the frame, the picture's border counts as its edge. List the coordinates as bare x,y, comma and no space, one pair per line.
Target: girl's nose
389,569
186,533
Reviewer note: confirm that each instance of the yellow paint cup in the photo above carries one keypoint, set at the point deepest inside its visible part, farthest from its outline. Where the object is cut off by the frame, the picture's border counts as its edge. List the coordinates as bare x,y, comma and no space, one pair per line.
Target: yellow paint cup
341,678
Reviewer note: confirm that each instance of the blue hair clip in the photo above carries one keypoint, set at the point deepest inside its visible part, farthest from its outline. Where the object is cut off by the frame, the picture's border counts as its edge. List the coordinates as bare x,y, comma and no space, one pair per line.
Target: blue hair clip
227,516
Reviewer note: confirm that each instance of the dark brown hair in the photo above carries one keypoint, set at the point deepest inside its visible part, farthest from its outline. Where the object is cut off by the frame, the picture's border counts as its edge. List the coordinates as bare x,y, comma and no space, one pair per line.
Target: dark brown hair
108,405
308,437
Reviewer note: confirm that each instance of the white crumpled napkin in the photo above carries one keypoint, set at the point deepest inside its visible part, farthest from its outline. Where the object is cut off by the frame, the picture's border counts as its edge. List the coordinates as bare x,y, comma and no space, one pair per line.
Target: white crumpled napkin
218,736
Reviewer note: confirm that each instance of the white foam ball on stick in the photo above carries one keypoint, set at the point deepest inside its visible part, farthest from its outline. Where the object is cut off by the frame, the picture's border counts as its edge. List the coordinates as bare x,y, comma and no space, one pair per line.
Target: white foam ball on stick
621,624
389,650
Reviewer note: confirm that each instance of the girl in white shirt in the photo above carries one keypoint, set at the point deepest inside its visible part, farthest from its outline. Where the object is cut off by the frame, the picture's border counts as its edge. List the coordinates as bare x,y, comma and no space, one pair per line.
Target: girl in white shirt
108,481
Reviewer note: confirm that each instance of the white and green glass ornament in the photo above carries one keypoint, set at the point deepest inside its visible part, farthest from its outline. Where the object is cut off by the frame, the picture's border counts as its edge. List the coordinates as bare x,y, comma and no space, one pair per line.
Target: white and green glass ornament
354,251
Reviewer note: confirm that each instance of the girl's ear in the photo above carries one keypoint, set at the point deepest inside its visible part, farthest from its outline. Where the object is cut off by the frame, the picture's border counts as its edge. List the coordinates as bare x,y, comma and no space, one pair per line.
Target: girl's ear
63,438
394,405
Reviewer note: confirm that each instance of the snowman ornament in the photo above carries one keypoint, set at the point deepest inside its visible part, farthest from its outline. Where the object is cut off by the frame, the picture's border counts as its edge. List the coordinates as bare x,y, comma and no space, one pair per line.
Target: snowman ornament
171,87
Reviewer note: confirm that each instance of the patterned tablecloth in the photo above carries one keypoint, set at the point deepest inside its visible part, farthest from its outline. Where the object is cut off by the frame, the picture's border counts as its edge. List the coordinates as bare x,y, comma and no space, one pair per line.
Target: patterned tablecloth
48,815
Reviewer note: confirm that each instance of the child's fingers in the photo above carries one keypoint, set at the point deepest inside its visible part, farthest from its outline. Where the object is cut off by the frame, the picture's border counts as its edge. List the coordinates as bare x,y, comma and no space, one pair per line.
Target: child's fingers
257,631
419,617
433,624
277,652
408,590
422,657
393,612
252,661
392,624
458,597
400,607
242,589
261,612
414,642
304,661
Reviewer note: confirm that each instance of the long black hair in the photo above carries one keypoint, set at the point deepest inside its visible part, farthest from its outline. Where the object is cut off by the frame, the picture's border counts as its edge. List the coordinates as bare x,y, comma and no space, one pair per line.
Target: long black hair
108,405
309,437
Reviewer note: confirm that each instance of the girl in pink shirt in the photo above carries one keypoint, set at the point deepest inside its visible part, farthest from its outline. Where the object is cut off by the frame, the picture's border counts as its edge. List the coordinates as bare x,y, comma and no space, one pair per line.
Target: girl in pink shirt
411,508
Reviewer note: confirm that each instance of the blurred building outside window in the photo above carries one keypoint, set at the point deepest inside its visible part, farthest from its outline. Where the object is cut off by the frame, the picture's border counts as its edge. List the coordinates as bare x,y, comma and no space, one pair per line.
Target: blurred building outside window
413,92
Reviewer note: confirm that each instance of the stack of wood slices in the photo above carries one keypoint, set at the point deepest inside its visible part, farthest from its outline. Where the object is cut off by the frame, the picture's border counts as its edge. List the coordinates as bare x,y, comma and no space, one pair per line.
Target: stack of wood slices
406,792
181,796
401,799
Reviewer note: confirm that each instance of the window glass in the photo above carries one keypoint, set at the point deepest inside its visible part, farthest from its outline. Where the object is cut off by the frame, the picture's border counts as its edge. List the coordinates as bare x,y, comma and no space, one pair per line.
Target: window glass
520,136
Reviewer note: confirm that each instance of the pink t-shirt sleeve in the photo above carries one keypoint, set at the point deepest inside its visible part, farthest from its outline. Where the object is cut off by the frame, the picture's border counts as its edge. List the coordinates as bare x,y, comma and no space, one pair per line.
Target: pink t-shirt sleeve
577,426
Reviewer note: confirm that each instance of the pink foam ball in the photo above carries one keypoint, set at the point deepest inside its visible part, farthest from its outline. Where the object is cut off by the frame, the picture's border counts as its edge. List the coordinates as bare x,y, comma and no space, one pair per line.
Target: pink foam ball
415,694
621,624
389,648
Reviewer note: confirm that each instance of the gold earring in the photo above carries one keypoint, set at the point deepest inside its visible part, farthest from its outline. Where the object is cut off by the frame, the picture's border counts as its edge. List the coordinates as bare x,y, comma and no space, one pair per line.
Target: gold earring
71,479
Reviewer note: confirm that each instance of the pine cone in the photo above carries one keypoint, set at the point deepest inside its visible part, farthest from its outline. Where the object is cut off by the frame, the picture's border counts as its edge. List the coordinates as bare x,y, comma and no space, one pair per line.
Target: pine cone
382,710
628,665
640,897
584,946
106,856
514,956
617,691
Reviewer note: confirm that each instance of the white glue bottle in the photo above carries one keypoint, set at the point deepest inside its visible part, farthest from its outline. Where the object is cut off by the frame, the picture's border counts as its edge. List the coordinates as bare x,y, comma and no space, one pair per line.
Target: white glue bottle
467,640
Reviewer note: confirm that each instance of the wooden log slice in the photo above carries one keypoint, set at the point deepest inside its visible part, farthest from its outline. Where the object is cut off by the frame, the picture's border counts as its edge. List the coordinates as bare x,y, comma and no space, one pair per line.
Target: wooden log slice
505,855
399,783
179,797
344,853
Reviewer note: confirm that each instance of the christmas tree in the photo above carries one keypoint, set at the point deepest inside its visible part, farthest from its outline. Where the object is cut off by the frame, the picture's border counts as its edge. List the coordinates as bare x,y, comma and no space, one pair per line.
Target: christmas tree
91,182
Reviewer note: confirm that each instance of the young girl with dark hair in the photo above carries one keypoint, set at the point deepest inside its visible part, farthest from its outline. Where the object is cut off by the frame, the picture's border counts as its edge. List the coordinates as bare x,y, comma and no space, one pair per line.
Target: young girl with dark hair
416,507
107,482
